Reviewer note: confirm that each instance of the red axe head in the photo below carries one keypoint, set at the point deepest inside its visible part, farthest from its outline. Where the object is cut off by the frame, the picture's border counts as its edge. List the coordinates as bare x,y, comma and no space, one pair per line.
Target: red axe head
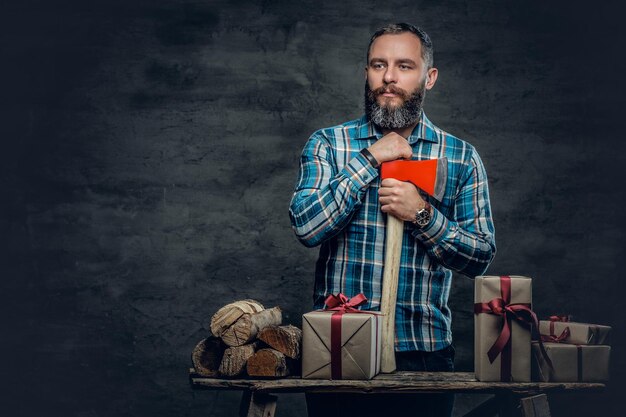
429,175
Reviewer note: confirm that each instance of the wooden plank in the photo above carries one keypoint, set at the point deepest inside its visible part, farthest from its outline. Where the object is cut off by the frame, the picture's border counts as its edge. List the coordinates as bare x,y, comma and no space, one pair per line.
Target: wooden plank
535,406
427,376
390,386
405,382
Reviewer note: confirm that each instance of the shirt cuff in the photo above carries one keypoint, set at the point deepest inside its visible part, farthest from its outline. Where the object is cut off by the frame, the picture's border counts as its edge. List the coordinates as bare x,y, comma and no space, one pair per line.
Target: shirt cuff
360,172
435,231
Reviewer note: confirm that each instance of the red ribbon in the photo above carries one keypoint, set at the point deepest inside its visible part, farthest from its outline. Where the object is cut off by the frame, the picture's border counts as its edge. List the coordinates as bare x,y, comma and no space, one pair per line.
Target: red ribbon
519,312
553,337
341,304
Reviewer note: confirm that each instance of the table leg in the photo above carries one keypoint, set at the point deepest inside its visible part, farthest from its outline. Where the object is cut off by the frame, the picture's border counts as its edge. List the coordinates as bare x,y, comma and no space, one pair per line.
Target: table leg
535,406
255,404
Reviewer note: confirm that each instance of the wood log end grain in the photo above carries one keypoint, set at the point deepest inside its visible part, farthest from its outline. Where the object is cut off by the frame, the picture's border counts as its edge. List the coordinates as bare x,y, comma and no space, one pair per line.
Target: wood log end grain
207,356
285,339
246,328
235,359
230,313
268,363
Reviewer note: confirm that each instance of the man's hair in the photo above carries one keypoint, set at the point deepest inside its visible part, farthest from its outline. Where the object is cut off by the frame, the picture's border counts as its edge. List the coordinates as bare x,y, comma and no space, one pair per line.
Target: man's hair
397,28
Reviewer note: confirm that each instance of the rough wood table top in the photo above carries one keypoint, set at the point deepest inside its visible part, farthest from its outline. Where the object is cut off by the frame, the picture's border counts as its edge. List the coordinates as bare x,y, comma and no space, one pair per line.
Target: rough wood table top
398,382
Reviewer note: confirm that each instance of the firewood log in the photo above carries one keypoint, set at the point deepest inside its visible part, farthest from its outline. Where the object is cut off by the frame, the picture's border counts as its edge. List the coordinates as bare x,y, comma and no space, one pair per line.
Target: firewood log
285,339
268,363
247,327
230,313
207,356
235,358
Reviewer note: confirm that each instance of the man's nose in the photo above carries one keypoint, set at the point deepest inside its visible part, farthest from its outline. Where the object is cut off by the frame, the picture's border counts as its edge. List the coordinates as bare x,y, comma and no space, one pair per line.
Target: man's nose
390,75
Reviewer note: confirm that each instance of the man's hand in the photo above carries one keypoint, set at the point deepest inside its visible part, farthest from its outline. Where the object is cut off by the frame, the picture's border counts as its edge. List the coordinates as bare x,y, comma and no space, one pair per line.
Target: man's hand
400,199
391,147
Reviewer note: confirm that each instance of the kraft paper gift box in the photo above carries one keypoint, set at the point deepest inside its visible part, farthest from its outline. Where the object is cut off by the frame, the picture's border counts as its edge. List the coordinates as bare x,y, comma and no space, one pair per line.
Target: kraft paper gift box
359,353
513,363
572,363
576,333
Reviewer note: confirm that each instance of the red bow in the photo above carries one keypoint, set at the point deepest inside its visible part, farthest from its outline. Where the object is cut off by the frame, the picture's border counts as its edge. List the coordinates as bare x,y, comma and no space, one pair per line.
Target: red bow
342,303
553,337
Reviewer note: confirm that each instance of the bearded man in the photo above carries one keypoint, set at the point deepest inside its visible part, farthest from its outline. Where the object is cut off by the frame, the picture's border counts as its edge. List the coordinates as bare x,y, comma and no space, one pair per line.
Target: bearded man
341,204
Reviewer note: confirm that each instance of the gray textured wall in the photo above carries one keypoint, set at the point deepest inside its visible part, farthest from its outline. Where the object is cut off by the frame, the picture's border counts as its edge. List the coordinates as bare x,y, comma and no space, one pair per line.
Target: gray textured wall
149,151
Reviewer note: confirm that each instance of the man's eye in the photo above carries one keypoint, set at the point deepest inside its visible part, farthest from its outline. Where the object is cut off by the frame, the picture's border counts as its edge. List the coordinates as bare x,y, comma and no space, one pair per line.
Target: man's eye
405,67
378,66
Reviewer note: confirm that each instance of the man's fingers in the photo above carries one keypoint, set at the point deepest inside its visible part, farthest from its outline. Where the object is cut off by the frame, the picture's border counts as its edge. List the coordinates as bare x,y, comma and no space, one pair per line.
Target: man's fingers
389,182
386,191
408,153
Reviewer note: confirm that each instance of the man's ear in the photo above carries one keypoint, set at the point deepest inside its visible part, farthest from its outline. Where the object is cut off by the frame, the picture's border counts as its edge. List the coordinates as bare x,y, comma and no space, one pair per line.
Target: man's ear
431,78
365,73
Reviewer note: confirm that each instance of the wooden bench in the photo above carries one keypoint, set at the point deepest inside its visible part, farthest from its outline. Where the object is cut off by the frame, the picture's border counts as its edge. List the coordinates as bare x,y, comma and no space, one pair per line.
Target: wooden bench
527,399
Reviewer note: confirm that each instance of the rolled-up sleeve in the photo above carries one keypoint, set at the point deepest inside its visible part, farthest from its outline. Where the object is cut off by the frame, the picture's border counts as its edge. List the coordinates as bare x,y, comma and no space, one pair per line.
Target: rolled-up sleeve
326,197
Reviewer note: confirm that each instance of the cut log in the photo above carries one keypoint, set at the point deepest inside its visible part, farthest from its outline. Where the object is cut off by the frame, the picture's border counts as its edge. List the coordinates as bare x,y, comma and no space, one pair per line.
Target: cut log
248,326
230,313
285,339
207,356
235,358
268,363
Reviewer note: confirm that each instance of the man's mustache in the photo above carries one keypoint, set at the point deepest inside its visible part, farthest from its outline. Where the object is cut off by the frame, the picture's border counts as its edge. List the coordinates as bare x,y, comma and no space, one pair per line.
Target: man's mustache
391,89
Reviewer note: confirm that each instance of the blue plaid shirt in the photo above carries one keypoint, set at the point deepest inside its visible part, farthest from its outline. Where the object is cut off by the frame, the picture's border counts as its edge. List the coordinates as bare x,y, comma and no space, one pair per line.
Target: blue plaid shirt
335,204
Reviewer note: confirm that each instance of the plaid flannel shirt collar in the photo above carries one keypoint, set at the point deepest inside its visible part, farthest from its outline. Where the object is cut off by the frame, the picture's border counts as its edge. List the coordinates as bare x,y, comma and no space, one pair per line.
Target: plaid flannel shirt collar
424,130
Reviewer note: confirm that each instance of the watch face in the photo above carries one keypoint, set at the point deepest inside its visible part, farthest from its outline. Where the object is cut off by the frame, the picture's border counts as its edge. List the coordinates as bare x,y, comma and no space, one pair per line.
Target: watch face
422,217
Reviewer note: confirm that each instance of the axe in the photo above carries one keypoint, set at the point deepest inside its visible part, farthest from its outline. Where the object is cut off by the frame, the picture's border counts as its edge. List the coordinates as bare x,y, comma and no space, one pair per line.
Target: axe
430,177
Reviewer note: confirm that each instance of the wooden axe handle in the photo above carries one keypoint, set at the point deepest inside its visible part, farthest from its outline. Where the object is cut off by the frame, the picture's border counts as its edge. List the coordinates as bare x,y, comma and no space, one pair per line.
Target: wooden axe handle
393,251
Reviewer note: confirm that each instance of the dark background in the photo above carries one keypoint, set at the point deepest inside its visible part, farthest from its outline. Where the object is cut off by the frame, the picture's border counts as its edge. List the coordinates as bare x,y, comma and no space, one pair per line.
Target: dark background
150,149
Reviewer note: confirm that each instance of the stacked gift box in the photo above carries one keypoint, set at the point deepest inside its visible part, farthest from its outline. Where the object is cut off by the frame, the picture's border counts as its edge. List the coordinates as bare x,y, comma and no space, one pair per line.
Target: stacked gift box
505,325
579,352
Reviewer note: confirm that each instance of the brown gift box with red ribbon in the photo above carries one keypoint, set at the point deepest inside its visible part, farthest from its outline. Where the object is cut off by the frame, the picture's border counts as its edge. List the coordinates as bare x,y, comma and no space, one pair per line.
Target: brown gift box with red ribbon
571,363
560,330
341,342
502,317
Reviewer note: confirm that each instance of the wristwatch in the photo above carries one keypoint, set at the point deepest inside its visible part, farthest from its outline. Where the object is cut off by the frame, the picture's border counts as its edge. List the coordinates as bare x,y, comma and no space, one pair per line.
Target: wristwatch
423,216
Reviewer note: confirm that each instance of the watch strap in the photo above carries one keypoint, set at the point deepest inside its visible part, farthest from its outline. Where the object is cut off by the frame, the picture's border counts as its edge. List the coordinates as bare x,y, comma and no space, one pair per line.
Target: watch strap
368,155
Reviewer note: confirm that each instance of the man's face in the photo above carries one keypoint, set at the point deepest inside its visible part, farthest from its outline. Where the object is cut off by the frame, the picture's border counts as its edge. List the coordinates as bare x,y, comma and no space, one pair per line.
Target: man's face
396,80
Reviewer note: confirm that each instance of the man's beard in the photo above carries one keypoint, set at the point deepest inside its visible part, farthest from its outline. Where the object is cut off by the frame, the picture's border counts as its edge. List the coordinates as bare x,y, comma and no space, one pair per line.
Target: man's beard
390,117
